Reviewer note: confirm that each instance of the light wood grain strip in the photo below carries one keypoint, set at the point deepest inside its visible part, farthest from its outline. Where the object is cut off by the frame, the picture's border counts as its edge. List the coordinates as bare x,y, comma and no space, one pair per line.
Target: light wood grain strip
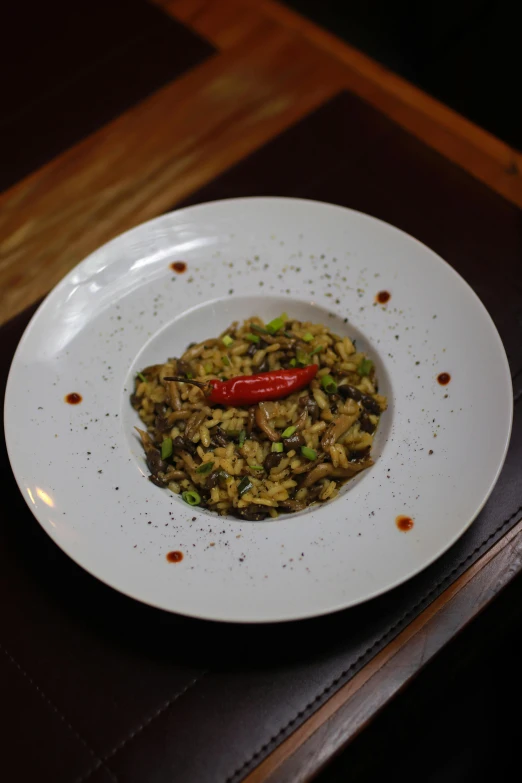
351,708
480,153
154,155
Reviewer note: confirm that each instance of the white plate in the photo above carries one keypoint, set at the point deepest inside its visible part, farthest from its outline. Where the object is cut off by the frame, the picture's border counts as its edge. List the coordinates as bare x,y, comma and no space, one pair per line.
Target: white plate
81,469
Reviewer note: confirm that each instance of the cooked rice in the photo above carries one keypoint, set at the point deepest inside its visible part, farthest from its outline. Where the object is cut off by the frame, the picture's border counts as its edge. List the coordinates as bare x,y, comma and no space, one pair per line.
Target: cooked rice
339,427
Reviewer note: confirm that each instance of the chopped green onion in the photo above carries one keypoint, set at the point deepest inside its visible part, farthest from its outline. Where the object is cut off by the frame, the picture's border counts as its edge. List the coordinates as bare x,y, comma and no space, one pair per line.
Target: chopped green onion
277,447
208,368
256,467
252,338
365,367
227,340
244,485
292,362
302,357
289,335
226,361
310,454
317,350
277,324
259,329
289,431
242,438
166,448
205,467
308,337
141,377
328,384
189,375
192,498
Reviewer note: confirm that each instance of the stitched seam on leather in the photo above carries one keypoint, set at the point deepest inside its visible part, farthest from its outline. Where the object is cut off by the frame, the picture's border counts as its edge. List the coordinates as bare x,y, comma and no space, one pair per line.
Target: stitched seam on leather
147,722
55,709
301,714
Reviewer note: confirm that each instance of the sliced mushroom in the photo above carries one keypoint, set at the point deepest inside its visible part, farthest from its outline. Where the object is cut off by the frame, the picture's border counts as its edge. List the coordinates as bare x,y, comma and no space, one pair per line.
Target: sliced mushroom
252,513
319,472
175,475
262,421
293,505
337,429
366,423
284,342
294,441
308,466
175,399
219,437
196,350
368,402
272,460
152,455
352,469
158,481
194,423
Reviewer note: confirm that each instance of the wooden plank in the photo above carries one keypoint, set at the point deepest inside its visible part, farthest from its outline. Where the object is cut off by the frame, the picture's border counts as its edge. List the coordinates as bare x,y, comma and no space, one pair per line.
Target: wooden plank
332,727
154,155
489,159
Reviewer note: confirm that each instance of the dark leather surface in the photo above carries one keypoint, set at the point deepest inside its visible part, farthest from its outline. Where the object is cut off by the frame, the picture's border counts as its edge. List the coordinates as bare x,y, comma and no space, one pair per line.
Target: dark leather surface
99,688
69,68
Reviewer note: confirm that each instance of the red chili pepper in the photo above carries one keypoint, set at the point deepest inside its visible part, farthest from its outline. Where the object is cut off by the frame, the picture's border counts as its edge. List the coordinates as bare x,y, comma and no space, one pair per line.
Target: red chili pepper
249,389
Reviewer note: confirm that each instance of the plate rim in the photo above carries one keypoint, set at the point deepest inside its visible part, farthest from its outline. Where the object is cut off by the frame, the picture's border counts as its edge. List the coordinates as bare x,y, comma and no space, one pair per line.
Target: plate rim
304,615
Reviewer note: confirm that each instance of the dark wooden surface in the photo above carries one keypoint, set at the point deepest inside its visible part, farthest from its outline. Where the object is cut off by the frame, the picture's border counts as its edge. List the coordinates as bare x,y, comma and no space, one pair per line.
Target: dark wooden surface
69,68
107,689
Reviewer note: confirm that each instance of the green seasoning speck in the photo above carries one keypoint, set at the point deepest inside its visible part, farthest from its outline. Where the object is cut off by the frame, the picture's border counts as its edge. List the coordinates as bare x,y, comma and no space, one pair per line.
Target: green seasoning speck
242,438
226,361
277,447
308,337
365,367
252,338
256,467
244,485
208,368
205,467
189,376
328,384
166,448
317,350
142,377
308,453
227,340
277,324
289,431
302,357
259,329
292,362
192,498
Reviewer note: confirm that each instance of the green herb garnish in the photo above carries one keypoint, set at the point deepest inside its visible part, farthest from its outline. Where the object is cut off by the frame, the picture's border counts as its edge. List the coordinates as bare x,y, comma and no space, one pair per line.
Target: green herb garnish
226,361
244,485
189,375
205,467
142,377
317,350
289,431
252,338
365,367
242,438
328,384
277,324
227,340
308,337
277,447
292,362
208,368
310,454
191,497
256,467
302,357
166,448
259,329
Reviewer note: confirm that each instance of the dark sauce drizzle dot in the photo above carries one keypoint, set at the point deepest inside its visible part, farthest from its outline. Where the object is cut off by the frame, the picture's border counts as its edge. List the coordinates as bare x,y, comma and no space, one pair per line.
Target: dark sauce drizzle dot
73,398
404,523
178,266
382,297
444,378
175,557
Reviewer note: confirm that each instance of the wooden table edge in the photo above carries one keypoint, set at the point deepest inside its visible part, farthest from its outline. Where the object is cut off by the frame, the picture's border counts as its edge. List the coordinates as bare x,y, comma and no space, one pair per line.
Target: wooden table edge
339,720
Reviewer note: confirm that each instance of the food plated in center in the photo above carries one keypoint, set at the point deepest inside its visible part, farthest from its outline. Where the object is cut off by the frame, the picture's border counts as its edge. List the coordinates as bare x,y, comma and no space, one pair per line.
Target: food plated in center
262,419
